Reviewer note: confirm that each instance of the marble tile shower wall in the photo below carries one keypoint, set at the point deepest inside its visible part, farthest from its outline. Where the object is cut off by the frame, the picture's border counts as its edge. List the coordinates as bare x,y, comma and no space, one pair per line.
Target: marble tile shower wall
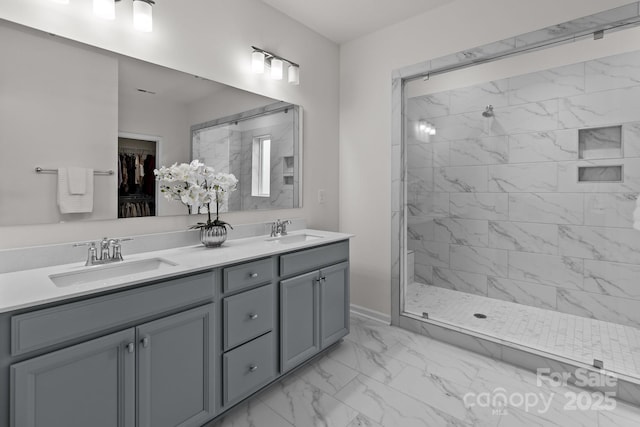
494,204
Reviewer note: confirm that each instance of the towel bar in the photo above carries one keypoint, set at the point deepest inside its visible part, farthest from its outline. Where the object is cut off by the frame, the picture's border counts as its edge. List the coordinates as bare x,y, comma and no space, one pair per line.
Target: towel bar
96,172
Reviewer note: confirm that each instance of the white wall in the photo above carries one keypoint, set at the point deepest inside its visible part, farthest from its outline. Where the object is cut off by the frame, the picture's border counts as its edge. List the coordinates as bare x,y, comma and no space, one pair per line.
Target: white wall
44,106
210,39
366,65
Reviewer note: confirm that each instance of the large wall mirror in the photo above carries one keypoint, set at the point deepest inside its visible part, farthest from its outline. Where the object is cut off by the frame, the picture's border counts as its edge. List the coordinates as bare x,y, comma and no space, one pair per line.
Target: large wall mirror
68,105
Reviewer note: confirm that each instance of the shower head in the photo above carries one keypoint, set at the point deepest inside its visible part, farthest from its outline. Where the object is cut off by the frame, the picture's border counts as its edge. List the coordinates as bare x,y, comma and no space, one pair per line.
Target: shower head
488,112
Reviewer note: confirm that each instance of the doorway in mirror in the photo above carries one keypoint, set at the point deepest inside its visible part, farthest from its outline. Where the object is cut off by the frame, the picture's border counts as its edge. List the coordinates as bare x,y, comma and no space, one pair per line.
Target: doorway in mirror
137,156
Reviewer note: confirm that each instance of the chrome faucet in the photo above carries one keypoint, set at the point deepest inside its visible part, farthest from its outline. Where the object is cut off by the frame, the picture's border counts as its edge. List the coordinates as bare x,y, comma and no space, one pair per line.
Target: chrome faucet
110,251
279,228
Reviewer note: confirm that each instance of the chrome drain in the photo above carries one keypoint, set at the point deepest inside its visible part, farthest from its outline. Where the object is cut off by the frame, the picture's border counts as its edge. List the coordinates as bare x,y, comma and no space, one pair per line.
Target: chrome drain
480,315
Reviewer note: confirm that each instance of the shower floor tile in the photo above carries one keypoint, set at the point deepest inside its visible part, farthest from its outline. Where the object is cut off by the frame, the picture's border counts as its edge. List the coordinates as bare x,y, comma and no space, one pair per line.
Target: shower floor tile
566,335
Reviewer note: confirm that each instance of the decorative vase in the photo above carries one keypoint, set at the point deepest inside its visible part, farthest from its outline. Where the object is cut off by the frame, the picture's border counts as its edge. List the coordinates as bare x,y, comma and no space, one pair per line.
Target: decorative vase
213,237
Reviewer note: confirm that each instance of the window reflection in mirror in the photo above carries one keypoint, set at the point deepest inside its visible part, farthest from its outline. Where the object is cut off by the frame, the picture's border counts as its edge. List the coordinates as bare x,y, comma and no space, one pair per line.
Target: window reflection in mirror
261,167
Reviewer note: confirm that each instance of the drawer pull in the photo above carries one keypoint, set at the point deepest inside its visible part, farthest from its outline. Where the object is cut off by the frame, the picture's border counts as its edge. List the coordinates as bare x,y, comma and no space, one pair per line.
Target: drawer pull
253,368
253,316
253,275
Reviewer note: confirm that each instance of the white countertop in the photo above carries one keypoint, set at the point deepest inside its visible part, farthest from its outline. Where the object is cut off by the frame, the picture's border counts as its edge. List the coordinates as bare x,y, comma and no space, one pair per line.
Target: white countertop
29,288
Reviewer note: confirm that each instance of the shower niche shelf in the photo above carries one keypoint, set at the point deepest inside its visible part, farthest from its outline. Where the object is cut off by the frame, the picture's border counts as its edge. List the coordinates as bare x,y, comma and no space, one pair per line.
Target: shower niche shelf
600,174
287,174
600,143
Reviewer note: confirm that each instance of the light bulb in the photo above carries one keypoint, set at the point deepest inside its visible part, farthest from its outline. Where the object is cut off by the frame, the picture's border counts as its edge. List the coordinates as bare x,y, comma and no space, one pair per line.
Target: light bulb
294,75
432,131
422,125
257,62
276,69
105,9
142,16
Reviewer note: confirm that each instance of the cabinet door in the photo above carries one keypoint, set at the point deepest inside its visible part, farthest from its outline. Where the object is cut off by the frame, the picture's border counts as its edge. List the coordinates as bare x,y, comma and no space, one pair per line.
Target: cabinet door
90,384
299,319
175,369
334,303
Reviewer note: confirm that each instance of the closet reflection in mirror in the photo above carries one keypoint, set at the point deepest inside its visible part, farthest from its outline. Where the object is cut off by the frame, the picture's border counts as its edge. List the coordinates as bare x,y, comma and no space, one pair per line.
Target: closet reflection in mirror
64,104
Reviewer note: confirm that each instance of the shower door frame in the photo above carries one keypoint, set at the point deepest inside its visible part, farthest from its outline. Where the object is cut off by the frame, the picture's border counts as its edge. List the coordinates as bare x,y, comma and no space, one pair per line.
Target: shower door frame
610,20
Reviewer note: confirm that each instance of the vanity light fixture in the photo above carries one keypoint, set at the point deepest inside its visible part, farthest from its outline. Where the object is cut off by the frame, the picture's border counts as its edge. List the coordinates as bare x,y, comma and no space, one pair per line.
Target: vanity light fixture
257,62
143,15
294,75
276,69
142,12
261,58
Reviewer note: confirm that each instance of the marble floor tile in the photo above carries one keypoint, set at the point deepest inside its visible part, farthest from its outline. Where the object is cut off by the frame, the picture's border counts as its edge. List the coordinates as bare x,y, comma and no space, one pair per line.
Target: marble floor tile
367,361
383,376
303,404
391,408
438,392
363,421
251,414
622,416
553,418
327,374
377,337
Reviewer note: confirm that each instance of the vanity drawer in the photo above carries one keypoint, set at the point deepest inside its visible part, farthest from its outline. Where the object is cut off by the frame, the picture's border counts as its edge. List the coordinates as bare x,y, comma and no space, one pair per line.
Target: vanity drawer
247,315
247,275
51,326
311,259
248,367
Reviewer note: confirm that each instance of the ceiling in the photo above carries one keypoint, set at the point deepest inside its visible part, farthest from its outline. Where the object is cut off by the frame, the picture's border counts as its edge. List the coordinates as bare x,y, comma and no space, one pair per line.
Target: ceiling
345,20
162,83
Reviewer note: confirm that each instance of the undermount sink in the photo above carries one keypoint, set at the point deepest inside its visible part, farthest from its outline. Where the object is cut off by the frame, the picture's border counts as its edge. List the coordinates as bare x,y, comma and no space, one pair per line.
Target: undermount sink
293,238
109,271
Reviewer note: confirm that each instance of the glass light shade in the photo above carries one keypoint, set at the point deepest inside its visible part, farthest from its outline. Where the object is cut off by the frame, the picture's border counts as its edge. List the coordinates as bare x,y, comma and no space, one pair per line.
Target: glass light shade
276,69
105,9
257,62
422,125
432,131
294,75
142,16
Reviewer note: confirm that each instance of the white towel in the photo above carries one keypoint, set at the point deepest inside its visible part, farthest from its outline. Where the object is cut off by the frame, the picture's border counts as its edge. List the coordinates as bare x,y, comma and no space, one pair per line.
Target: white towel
75,203
77,180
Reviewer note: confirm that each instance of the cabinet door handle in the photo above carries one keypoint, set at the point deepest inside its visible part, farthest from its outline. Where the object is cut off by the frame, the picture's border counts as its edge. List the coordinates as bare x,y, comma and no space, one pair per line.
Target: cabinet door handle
253,316
131,347
145,342
253,368
253,275
323,279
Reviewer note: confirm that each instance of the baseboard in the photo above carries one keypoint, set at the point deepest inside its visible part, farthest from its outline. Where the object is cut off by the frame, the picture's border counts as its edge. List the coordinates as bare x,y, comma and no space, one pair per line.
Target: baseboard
371,314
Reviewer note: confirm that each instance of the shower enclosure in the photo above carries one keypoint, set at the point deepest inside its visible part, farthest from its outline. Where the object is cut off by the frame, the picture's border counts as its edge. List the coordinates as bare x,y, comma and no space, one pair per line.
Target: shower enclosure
518,171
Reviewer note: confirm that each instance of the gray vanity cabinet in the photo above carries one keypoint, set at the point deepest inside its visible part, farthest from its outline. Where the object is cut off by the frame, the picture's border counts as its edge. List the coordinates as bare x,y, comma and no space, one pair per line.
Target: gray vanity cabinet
313,306
90,384
94,383
249,344
175,369
334,303
299,314
178,352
